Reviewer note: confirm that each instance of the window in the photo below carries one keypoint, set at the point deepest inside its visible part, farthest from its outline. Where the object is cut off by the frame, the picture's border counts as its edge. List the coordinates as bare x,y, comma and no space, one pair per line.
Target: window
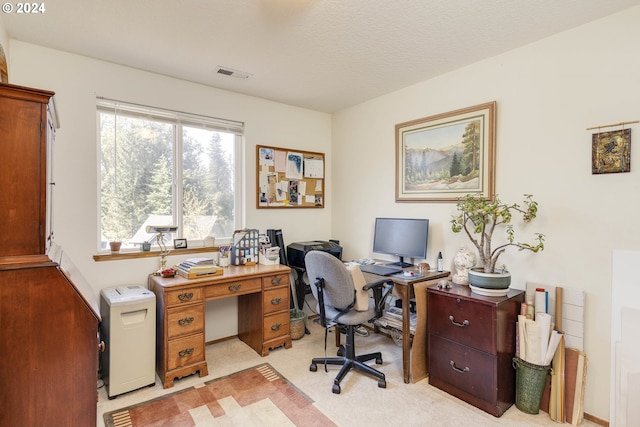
161,167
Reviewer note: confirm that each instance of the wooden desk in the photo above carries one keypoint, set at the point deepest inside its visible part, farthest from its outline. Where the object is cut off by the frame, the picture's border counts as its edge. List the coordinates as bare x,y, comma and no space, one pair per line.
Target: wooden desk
415,364
263,315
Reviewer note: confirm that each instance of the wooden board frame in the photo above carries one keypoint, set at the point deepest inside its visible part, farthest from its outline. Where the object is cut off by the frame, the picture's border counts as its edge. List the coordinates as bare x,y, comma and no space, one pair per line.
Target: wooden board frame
287,178
444,157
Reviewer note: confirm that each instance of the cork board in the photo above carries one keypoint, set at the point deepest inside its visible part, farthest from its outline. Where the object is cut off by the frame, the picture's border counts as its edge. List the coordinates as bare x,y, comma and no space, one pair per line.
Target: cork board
289,178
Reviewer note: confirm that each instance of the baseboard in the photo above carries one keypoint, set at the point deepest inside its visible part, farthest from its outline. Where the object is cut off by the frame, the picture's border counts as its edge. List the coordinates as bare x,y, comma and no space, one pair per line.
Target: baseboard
221,340
596,420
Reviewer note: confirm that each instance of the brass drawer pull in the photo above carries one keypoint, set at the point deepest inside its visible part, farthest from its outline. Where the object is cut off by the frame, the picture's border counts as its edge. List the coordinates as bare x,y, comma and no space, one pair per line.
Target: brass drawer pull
186,352
462,371
276,280
186,296
234,288
276,301
462,325
185,321
276,327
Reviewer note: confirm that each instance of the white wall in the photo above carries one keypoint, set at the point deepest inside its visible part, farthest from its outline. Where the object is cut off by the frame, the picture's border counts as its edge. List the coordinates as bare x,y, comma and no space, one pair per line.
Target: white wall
547,94
78,80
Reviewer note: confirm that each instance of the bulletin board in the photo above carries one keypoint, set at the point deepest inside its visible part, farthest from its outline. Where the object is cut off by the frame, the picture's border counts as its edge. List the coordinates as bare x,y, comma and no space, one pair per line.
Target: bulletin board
288,178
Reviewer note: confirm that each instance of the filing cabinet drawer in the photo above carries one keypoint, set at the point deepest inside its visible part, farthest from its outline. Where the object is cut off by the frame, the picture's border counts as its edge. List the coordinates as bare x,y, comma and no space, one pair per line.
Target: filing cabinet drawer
276,325
185,320
275,300
183,296
273,281
463,321
240,287
464,368
185,351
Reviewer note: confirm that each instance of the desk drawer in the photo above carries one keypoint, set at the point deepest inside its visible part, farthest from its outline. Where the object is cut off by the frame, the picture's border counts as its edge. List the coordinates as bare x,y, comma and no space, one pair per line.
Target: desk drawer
185,320
273,281
467,369
276,325
275,300
185,351
463,321
228,289
183,296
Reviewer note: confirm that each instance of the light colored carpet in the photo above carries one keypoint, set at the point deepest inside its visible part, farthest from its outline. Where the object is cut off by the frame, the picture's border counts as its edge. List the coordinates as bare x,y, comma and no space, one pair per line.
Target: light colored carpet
361,402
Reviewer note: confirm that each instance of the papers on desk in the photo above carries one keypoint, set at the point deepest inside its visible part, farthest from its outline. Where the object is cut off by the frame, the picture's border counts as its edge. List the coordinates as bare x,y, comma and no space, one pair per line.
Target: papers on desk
198,267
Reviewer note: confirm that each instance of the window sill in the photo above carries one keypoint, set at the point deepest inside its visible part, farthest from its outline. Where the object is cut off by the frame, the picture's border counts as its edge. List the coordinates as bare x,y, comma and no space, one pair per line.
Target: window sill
151,254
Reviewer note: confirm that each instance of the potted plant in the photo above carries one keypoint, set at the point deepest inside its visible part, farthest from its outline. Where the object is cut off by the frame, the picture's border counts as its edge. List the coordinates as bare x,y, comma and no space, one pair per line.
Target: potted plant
115,245
480,218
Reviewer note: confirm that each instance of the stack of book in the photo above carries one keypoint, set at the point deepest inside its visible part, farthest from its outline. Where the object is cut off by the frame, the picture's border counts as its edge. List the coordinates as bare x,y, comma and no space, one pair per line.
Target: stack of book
392,319
192,268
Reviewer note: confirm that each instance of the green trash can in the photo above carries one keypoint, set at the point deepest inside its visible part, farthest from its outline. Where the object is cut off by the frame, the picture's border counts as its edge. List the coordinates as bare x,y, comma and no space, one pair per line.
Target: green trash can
530,382
297,323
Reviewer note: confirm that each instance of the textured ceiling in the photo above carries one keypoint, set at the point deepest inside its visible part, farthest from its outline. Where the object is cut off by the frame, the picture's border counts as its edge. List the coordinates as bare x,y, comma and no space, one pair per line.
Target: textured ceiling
319,54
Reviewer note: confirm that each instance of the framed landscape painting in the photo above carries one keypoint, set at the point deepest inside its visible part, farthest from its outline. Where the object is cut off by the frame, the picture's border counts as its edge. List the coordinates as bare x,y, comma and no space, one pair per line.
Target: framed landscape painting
444,157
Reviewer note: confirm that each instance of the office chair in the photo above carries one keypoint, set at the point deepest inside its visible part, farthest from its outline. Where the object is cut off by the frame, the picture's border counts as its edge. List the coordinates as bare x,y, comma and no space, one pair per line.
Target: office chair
333,288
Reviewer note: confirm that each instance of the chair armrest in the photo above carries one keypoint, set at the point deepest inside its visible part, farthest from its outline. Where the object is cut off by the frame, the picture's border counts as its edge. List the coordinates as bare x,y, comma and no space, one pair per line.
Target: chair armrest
377,286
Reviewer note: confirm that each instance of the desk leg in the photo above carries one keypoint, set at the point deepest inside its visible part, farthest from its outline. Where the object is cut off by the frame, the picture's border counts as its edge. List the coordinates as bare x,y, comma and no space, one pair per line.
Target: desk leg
403,291
419,359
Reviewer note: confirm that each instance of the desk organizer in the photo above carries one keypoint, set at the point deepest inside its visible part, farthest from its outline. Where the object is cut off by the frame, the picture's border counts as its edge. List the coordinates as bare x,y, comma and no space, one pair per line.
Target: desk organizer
245,247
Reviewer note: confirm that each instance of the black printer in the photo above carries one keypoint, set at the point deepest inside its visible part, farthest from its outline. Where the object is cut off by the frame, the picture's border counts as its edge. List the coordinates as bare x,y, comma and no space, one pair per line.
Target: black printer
295,255
297,251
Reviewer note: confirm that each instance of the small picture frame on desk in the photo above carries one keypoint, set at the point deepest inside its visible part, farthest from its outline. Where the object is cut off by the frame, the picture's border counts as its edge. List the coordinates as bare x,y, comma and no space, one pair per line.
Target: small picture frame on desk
180,243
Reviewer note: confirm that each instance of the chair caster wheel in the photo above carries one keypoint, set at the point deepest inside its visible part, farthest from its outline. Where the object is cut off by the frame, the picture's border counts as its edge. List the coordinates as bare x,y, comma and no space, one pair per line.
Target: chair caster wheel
379,361
341,351
382,383
313,367
336,389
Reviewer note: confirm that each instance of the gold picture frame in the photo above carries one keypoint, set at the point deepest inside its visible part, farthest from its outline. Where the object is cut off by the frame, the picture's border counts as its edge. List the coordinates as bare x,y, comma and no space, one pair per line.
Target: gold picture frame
444,157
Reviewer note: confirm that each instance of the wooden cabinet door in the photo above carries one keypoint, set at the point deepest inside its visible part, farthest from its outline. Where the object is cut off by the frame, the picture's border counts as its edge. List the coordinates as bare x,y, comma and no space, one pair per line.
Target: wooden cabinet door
23,125
49,348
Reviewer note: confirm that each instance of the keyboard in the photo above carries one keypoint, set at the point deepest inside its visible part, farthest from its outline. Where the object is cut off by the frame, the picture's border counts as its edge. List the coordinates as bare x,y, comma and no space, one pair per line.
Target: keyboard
380,270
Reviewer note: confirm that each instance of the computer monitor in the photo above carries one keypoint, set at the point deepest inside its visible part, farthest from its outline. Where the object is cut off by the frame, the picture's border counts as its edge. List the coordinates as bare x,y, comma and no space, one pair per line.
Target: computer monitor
402,237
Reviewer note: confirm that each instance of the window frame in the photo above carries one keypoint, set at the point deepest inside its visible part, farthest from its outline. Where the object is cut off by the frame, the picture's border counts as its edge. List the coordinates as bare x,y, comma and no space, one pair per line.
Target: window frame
178,120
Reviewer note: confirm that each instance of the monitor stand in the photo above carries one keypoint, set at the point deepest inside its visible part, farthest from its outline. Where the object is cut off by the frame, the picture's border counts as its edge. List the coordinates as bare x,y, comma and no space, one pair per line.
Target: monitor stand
400,263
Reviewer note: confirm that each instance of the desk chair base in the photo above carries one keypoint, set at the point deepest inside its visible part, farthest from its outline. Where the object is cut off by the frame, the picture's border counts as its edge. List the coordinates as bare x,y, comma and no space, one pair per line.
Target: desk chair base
350,361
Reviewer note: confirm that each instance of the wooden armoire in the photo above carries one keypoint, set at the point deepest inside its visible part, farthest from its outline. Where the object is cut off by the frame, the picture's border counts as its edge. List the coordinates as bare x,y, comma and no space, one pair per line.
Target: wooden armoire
48,328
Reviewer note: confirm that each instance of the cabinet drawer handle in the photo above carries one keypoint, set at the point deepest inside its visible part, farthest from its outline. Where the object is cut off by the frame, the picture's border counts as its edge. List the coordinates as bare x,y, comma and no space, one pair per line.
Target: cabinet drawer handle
462,371
276,280
186,352
234,288
186,296
276,301
276,327
462,325
185,321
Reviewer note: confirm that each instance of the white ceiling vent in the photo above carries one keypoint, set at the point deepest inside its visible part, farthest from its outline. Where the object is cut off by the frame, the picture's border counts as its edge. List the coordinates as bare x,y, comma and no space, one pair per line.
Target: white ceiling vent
226,71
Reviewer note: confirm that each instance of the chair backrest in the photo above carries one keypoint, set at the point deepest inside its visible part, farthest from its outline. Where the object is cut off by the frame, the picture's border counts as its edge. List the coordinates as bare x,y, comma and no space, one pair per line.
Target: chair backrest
339,291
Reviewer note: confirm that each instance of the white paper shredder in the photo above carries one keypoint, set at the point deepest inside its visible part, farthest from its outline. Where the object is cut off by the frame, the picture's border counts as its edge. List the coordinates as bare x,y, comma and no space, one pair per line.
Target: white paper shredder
128,330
